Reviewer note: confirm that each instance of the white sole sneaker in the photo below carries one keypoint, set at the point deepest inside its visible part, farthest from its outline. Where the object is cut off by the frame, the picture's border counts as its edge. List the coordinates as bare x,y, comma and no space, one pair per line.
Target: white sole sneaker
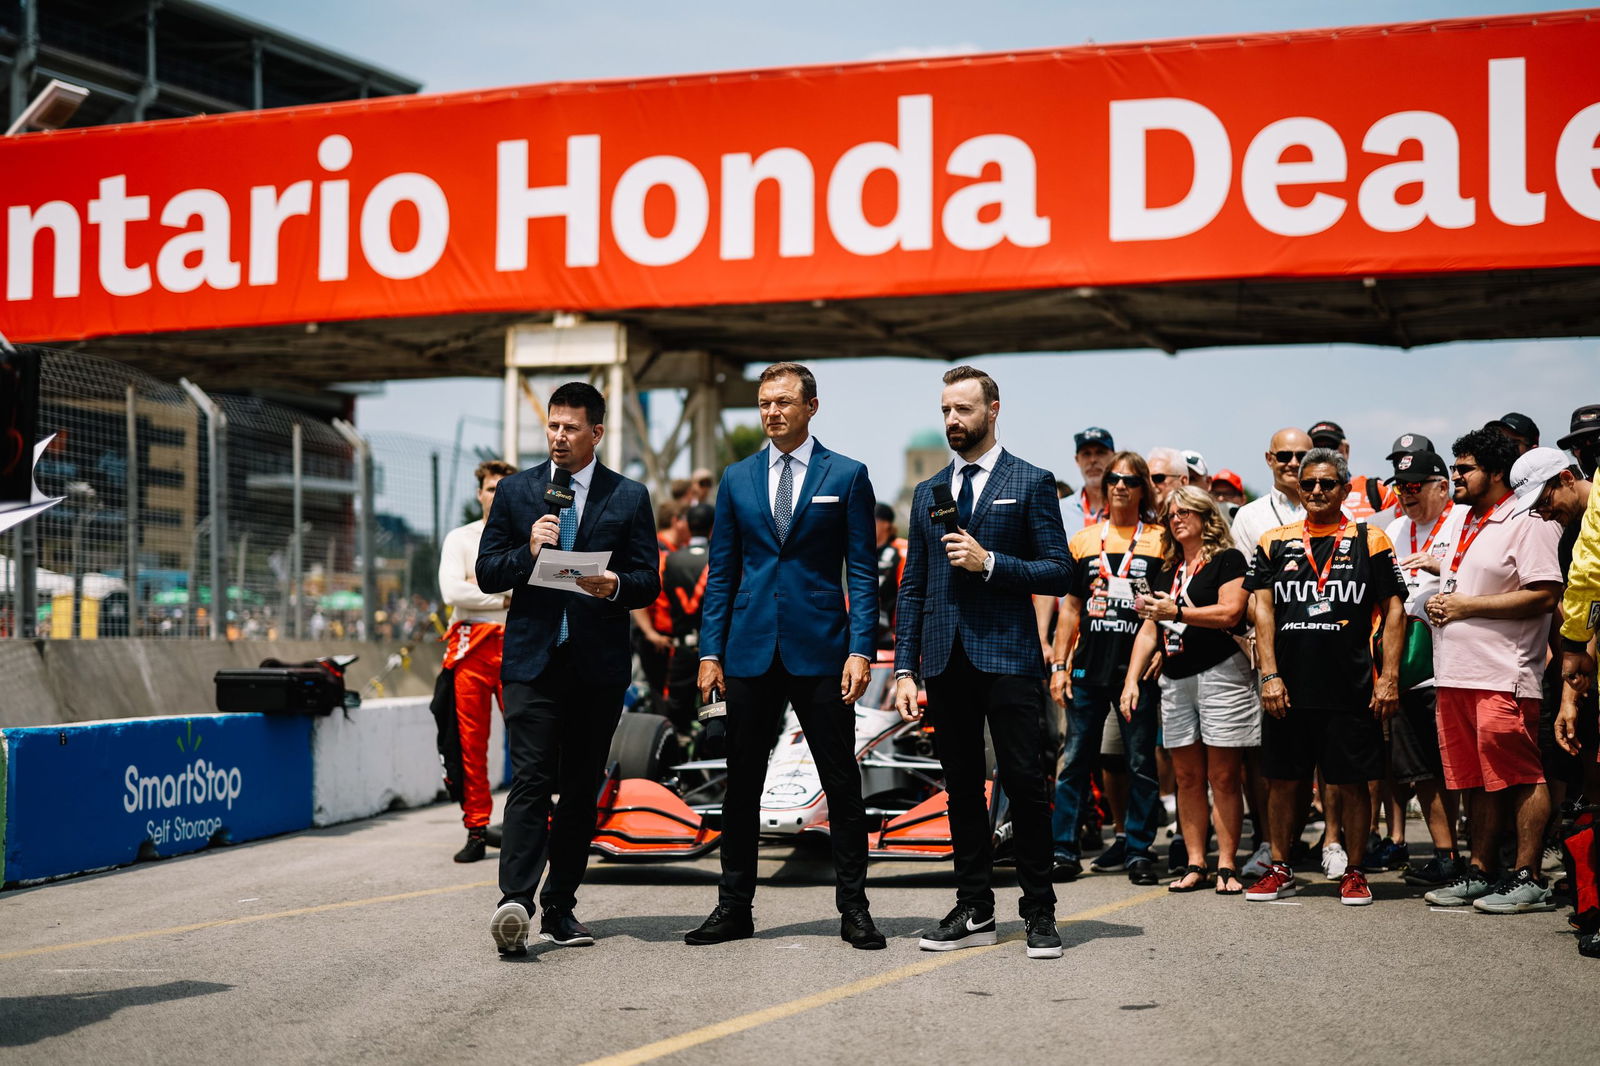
577,941
1357,901
1044,953
1267,897
509,927
982,938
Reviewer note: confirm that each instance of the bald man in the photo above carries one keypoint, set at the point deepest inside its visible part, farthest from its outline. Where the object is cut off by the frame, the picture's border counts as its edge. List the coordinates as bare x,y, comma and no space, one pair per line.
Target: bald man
1281,506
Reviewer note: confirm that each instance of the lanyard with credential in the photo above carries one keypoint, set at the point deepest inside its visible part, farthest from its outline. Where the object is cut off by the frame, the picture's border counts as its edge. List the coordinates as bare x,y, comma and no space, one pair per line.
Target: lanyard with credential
1089,517
1470,529
1311,560
1127,557
1438,524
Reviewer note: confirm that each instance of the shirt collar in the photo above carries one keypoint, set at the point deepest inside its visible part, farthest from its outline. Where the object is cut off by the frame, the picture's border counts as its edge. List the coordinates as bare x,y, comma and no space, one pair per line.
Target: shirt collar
802,454
582,478
985,462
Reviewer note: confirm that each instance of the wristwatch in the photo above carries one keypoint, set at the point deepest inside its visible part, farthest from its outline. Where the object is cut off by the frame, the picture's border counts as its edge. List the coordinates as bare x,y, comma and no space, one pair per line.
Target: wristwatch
1056,668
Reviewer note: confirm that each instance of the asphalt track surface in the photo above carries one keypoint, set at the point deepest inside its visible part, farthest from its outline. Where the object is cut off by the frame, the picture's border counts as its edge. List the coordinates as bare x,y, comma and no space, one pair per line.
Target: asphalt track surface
365,943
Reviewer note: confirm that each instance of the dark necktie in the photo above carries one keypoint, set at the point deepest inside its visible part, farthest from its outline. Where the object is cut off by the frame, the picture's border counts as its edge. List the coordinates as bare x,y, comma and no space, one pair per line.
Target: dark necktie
783,506
964,500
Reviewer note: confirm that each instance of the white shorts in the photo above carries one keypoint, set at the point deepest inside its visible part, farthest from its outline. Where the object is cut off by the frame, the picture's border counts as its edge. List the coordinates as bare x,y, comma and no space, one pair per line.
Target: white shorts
1218,707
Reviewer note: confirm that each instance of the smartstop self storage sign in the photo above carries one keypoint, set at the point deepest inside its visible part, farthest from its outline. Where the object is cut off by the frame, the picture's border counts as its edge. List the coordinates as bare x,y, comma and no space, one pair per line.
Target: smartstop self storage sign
92,796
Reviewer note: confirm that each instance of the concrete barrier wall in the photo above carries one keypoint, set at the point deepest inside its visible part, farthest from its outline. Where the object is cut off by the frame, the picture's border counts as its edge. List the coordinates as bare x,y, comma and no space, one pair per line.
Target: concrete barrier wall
47,682
93,795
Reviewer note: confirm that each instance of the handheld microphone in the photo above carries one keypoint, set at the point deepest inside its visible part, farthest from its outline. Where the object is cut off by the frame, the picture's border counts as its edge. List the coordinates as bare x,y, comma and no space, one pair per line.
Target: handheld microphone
558,494
943,512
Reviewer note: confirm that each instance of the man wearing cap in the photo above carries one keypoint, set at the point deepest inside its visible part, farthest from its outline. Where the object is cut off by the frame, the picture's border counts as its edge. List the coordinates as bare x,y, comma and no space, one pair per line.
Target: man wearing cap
1367,494
1545,476
1583,438
1094,450
1199,473
1518,429
1492,619
1227,488
1422,537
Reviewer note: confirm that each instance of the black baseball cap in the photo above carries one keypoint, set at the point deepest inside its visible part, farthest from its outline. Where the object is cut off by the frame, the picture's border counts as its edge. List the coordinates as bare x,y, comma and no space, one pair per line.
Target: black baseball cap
1585,425
1092,435
1520,424
1326,434
1413,468
1408,444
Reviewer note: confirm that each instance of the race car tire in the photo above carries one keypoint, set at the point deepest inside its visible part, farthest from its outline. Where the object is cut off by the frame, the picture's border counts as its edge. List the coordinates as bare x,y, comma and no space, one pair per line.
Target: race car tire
644,745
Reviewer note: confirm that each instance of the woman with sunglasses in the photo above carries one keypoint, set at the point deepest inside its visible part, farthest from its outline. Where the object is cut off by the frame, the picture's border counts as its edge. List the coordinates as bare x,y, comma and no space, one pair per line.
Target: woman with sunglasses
1209,709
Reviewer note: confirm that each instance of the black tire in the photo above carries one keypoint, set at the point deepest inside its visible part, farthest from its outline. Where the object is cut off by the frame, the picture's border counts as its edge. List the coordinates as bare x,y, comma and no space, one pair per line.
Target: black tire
644,745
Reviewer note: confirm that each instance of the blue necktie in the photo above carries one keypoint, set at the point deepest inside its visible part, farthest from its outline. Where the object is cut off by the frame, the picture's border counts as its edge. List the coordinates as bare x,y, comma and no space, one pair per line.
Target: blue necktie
964,500
569,534
783,506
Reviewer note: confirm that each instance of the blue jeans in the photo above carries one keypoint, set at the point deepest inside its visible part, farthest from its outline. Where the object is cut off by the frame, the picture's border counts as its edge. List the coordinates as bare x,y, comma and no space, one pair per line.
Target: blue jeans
1086,716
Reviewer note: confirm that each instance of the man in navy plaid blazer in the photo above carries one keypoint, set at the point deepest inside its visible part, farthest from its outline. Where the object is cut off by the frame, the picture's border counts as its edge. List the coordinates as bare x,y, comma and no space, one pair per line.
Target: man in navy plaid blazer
966,626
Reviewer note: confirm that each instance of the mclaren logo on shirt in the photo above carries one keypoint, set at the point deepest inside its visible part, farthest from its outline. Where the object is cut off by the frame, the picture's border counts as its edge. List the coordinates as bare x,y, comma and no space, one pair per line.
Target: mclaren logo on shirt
1313,627
1335,591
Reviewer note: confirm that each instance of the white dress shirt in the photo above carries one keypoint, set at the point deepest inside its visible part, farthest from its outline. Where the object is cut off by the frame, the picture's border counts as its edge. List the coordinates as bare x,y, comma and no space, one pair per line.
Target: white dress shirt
980,480
580,486
1260,515
797,473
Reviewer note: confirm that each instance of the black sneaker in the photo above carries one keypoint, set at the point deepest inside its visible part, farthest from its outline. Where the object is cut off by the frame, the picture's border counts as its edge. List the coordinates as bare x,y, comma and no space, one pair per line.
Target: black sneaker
1177,855
1113,858
558,926
1436,872
964,927
1589,946
726,922
857,929
1065,868
509,926
1043,940
1141,871
472,851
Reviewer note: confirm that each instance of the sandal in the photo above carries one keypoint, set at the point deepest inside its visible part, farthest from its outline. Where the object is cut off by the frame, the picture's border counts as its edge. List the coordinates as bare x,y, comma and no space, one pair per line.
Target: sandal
1224,875
1178,886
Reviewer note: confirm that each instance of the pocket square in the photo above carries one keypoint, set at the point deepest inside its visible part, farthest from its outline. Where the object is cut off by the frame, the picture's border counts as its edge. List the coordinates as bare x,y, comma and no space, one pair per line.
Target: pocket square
1002,503
824,499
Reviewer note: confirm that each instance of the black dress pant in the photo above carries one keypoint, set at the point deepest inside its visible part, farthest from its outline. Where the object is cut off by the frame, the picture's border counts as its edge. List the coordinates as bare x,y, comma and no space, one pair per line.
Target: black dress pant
959,701
559,727
755,714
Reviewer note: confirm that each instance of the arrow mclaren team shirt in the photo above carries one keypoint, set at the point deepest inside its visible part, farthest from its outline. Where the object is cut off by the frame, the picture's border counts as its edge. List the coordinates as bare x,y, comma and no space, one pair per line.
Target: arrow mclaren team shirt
1327,583
1106,560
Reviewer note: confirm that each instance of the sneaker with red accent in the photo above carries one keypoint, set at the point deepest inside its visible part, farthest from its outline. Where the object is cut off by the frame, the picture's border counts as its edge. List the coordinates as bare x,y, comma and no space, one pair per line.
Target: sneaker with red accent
1353,890
1277,883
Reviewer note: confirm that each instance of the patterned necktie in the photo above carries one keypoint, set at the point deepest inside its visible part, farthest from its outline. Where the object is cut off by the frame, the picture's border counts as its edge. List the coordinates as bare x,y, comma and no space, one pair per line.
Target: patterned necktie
783,506
964,500
569,534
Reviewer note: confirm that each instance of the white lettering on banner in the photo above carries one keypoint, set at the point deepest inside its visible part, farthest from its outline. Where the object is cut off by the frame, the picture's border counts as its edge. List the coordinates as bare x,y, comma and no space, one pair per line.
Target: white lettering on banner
22,230
1299,176
1438,170
199,782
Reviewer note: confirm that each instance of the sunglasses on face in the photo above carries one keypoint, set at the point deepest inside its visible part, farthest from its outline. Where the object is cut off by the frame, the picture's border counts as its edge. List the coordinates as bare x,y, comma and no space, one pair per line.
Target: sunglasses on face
1287,457
1463,469
1113,480
1156,479
1326,484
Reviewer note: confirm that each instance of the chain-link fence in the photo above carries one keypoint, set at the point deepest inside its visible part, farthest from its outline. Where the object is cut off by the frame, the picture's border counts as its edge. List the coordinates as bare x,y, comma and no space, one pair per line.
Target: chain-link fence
190,514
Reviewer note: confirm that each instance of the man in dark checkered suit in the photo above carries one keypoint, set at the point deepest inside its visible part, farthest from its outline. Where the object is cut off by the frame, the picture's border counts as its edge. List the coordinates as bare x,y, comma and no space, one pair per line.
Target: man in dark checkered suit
966,626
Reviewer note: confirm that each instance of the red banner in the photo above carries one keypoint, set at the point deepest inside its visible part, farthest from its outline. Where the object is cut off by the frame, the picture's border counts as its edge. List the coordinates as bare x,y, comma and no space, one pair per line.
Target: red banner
1454,146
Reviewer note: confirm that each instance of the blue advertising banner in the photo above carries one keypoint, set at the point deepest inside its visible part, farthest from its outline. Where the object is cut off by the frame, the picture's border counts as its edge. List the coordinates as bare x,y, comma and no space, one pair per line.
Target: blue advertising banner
91,796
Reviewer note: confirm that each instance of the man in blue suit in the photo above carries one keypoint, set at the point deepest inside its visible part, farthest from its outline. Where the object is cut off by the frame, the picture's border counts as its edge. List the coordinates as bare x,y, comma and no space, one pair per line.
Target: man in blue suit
566,659
966,626
774,629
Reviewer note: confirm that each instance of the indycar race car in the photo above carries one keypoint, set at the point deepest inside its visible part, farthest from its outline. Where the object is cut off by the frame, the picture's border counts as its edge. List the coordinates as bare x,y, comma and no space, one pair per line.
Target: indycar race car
650,808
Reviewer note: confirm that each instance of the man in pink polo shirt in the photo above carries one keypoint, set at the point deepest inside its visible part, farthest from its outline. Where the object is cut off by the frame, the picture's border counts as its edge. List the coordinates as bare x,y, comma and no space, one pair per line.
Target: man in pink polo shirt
1497,588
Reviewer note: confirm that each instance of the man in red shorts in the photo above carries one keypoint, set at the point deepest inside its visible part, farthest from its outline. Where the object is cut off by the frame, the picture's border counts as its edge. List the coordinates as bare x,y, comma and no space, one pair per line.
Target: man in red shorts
1319,586
1492,615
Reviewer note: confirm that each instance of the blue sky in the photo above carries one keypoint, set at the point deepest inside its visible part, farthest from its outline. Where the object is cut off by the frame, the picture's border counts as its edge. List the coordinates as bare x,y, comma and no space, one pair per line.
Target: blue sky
1225,402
